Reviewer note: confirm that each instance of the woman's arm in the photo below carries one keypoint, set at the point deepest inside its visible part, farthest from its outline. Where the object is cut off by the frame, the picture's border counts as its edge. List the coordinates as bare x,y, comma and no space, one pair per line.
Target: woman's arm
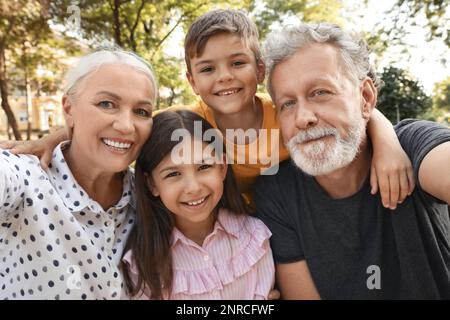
10,184
42,148
391,170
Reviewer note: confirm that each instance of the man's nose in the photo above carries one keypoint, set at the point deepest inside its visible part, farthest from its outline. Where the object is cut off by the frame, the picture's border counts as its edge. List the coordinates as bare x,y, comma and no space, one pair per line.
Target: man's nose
305,117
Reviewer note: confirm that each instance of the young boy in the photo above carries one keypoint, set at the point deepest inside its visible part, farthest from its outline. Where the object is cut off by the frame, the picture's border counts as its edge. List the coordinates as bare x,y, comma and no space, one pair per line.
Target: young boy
224,67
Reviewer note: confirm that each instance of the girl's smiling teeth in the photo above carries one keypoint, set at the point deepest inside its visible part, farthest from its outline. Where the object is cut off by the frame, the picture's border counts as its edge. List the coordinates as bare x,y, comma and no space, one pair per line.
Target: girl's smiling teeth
228,92
116,144
196,202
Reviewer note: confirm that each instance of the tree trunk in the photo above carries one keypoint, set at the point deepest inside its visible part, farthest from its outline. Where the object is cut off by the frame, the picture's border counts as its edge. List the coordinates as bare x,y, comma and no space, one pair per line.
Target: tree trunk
4,95
116,20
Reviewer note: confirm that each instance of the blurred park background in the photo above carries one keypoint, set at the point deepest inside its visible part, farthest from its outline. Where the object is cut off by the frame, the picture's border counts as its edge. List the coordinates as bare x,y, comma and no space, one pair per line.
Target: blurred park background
39,39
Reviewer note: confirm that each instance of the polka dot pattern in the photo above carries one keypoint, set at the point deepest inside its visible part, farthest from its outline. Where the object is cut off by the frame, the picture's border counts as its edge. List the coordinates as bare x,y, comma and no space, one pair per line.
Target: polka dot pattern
55,241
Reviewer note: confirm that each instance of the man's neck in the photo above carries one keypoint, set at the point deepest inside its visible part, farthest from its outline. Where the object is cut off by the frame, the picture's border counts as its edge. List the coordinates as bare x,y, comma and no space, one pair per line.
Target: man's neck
347,181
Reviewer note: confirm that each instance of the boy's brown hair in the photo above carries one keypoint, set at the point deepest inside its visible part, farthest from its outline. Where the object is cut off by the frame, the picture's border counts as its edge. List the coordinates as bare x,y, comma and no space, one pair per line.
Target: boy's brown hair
220,21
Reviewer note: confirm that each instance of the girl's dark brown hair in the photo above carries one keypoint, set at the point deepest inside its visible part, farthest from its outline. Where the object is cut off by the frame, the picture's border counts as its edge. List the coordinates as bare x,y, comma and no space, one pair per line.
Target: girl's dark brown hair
150,238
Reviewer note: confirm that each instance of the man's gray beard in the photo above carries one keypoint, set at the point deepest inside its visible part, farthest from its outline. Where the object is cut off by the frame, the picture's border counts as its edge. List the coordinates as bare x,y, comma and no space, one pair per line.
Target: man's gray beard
316,159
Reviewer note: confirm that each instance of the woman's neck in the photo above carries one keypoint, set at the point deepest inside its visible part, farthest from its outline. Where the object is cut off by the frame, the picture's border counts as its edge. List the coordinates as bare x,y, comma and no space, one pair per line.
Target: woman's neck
104,187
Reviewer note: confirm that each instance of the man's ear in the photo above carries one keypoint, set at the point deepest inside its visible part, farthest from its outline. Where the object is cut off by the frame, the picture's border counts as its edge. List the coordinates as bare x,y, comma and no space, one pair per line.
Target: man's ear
150,185
260,70
67,110
192,82
368,97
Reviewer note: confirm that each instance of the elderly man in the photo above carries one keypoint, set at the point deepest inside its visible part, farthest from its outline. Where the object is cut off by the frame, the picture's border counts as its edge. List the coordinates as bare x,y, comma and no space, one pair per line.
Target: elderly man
331,238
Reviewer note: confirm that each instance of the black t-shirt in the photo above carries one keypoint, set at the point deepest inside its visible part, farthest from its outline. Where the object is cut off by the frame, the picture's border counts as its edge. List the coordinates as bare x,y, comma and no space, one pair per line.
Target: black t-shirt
345,241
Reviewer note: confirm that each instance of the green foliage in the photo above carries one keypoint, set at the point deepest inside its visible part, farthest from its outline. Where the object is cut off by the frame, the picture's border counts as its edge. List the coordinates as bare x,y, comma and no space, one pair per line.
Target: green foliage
441,95
401,96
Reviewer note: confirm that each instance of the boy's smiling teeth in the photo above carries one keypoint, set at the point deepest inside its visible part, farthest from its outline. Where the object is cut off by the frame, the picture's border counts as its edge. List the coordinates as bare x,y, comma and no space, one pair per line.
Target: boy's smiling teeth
228,92
115,144
197,202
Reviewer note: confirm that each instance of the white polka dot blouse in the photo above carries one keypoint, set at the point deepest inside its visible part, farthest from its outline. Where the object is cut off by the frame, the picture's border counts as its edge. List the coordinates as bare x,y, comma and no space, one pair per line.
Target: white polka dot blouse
55,241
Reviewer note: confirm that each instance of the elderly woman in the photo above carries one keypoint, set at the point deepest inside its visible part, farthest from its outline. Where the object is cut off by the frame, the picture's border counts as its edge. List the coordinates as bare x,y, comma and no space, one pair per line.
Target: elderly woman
63,229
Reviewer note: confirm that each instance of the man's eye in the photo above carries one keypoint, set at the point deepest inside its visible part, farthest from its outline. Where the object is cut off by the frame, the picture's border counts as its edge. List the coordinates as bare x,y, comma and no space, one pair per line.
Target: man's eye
287,104
143,113
321,92
105,104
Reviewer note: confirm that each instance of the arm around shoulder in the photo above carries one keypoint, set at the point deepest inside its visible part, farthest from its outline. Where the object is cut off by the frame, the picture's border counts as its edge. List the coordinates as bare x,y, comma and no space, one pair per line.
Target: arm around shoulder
434,172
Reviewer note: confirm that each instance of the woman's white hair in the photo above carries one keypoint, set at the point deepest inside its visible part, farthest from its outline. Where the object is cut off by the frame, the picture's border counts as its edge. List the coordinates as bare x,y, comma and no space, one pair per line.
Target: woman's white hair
93,61
282,44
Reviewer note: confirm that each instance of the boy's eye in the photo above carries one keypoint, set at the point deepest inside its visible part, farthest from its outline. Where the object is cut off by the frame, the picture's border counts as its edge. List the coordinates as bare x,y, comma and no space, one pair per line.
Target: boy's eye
206,69
142,113
105,104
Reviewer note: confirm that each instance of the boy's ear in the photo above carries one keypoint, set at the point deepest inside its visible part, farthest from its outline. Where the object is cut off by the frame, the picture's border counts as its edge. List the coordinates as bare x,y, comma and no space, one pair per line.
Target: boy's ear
67,110
368,97
260,70
150,185
192,82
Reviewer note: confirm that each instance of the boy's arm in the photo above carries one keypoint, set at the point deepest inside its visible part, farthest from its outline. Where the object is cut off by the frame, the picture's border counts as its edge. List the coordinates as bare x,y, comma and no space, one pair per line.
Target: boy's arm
42,148
391,169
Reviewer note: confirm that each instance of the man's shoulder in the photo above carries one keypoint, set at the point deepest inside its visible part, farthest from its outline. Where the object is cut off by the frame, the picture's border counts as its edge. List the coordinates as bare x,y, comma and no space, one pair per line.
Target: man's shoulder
286,172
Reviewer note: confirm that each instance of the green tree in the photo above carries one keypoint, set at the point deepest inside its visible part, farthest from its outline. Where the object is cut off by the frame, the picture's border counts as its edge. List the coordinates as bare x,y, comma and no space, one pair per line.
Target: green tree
441,95
401,96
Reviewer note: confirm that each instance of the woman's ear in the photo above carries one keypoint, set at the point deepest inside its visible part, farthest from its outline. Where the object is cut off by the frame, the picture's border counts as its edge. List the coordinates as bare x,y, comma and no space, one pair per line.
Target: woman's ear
150,185
67,110
368,97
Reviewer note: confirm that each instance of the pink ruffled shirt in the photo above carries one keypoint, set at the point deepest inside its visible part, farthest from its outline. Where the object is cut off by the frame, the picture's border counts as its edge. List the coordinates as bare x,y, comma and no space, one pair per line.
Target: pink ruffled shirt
234,262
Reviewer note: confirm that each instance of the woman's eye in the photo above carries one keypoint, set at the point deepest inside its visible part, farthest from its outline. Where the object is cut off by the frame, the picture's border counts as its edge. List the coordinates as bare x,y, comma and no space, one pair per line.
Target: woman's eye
143,113
238,63
105,104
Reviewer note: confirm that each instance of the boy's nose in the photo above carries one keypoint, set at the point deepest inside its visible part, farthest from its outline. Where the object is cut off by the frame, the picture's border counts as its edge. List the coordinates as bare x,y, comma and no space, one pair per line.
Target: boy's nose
225,75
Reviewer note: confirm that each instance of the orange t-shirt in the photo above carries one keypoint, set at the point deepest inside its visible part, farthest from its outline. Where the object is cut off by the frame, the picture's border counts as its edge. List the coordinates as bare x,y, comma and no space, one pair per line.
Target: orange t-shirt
252,159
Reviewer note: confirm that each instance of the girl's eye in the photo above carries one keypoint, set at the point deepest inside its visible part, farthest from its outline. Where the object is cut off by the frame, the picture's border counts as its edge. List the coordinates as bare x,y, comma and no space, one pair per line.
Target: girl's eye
206,69
142,113
204,166
287,104
105,104
172,174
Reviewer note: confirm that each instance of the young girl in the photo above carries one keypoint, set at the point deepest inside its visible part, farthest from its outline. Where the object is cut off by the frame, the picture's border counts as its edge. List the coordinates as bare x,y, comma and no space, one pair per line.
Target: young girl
193,238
